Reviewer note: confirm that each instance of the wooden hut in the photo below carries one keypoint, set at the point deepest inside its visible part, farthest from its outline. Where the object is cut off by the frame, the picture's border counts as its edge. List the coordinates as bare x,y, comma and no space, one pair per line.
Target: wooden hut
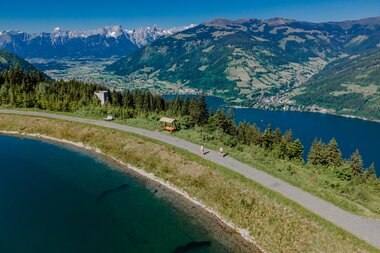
169,124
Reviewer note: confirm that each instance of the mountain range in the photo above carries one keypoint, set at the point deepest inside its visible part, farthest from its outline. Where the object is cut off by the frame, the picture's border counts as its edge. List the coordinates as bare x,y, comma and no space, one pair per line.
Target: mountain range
104,42
264,62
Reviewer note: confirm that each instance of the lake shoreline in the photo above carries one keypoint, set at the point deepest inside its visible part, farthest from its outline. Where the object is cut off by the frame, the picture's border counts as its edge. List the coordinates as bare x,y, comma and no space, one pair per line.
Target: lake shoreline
351,132
293,110
177,197
228,104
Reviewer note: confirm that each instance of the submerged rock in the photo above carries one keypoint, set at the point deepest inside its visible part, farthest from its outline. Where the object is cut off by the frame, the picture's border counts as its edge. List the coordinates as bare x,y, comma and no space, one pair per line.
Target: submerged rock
110,191
192,246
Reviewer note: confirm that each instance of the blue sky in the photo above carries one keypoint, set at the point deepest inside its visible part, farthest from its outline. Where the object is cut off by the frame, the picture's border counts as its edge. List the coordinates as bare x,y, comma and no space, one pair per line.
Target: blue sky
44,15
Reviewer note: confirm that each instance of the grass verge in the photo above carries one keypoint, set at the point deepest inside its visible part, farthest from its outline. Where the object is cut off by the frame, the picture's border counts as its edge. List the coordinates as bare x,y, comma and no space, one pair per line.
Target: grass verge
320,181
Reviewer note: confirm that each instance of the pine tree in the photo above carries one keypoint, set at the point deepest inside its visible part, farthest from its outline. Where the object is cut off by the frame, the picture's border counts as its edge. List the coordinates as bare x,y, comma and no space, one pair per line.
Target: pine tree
371,172
256,135
230,123
295,150
334,156
177,106
186,106
315,154
230,114
203,112
129,100
277,136
4,95
193,110
267,138
244,133
356,163
288,136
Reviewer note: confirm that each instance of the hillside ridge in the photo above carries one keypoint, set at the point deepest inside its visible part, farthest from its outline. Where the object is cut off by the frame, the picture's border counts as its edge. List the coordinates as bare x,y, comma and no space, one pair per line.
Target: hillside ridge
262,63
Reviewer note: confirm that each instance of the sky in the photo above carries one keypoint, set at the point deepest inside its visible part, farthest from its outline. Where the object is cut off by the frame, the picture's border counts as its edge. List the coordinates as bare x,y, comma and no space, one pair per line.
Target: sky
44,15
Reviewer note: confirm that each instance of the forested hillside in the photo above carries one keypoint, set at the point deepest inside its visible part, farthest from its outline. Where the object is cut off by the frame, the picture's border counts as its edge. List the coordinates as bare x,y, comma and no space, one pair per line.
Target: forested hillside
9,60
250,58
350,85
265,63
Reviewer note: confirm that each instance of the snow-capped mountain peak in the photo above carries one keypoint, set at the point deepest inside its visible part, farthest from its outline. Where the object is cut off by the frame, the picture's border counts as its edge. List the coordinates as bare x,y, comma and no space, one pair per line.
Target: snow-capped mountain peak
103,42
114,31
146,35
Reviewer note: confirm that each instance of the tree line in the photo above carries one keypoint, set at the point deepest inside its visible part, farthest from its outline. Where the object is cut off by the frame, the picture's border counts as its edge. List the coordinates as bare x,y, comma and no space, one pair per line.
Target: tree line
33,90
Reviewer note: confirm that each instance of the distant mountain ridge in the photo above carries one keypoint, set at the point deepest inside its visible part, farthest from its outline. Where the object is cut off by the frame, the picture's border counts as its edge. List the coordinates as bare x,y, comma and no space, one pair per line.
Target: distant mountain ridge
263,62
103,42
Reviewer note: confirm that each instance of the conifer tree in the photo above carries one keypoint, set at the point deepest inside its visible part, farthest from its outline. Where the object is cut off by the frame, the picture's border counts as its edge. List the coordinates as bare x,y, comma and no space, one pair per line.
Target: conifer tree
244,133
288,136
356,163
4,95
267,138
370,172
193,110
277,136
177,105
315,154
230,126
256,135
186,106
334,156
230,114
128,100
295,150
203,112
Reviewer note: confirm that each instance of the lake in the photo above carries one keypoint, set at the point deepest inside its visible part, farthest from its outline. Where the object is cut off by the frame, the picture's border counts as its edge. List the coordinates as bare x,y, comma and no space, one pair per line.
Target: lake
349,133
59,199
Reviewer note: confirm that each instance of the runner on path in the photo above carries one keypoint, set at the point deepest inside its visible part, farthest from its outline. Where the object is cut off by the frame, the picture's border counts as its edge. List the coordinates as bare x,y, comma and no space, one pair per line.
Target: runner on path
221,151
202,150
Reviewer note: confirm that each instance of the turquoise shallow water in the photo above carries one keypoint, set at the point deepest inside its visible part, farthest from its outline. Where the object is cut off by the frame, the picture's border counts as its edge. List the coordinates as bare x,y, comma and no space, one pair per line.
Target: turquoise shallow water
59,199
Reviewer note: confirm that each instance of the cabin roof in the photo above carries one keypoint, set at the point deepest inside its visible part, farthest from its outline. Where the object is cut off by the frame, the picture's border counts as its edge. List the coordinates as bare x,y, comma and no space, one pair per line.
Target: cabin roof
167,120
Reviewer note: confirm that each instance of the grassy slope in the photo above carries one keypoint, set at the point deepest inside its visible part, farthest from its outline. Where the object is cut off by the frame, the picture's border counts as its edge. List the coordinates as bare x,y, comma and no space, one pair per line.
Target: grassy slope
277,224
320,181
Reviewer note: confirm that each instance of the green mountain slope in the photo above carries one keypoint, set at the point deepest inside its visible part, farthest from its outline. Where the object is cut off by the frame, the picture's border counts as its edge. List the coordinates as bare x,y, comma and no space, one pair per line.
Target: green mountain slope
350,86
259,61
10,60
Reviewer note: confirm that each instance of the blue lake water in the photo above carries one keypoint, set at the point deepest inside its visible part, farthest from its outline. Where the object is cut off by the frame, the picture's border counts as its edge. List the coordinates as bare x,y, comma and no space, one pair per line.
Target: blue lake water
59,199
349,133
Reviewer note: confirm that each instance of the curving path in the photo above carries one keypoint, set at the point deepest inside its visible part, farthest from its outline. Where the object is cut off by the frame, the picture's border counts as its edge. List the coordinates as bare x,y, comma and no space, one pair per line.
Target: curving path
367,229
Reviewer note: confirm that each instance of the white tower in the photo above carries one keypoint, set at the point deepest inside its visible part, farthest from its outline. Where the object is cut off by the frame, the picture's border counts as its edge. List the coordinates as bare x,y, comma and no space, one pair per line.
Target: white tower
102,95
